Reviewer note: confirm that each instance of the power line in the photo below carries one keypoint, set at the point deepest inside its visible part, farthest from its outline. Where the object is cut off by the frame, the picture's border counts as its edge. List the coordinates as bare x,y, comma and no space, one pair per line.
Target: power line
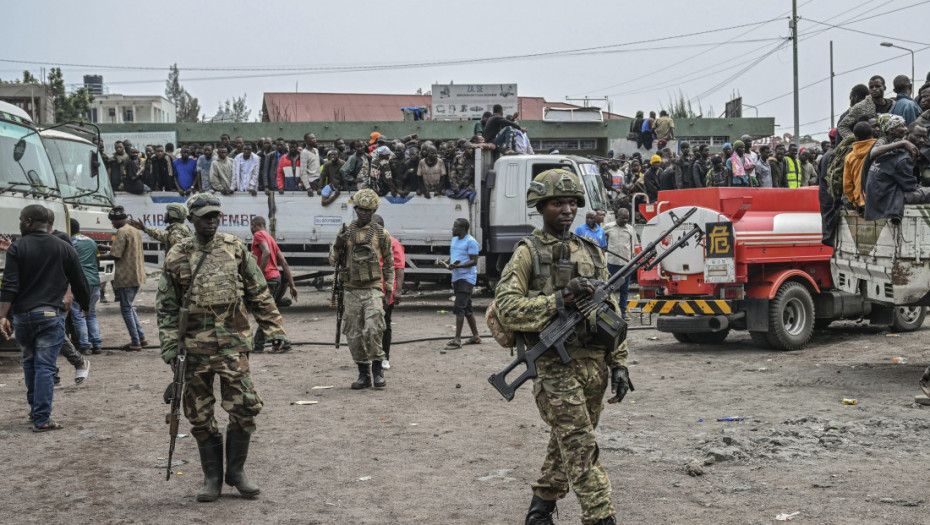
866,32
739,73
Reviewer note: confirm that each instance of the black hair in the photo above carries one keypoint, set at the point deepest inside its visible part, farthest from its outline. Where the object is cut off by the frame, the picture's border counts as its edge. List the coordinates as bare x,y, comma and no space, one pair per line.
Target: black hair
258,219
663,113
36,213
75,227
463,222
498,108
878,77
859,91
862,131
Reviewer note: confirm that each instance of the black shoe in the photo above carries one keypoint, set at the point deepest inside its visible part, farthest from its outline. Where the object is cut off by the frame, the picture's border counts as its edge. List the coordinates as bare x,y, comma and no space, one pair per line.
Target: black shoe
237,450
95,350
211,461
540,512
377,374
364,378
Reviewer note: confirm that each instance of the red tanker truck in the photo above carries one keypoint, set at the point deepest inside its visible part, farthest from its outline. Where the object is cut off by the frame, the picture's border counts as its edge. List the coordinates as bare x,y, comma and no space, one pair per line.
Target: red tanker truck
761,267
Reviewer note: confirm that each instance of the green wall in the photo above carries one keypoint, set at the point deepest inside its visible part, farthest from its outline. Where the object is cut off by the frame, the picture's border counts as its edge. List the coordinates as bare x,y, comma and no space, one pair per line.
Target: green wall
443,130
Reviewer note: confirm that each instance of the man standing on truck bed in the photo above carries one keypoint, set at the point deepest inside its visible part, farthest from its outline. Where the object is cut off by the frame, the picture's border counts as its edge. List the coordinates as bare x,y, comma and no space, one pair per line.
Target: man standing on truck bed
548,271
361,248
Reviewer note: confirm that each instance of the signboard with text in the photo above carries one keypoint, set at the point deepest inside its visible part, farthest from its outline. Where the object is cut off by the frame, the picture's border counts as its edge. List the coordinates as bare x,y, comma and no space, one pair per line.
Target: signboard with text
470,101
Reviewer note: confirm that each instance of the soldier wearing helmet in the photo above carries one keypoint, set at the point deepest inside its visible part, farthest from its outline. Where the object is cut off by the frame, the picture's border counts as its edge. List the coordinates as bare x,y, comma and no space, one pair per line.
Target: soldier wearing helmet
548,272
176,230
363,252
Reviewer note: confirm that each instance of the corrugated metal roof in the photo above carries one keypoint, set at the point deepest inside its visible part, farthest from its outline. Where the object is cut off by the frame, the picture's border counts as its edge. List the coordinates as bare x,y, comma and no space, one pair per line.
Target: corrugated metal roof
369,107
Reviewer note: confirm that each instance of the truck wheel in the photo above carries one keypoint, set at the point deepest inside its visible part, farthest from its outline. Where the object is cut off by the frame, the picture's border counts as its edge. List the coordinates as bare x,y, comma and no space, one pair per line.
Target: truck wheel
908,318
710,338
760,339
682,338
791,317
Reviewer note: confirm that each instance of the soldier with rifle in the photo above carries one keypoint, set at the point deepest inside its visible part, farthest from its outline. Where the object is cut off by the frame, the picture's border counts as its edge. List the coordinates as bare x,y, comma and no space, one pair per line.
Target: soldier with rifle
550,271
358,253
208,281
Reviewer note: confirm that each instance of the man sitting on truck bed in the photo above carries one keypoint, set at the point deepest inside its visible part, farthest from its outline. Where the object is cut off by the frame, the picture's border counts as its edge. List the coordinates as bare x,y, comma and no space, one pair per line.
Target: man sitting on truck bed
891,181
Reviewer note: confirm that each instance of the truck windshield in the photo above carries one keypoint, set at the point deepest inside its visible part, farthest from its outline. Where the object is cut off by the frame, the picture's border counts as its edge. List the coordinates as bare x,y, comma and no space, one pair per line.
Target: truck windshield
71,164
33,169
593,186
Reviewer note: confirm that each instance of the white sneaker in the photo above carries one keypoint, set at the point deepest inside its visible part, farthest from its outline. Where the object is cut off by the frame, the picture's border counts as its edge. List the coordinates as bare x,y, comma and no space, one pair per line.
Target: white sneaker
386,365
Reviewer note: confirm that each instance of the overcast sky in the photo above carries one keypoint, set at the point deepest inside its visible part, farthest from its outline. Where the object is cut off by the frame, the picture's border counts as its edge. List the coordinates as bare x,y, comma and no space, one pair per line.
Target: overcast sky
738,52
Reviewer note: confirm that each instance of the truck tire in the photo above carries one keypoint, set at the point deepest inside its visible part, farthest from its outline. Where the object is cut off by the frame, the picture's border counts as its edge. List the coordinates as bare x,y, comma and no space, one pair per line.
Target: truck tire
760,339
682,338
791,317
908,318
710,338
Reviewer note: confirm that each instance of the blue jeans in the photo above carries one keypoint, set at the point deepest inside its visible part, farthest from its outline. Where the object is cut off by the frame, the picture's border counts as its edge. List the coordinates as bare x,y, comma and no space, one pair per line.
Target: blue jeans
506,139
624,290
462,194
39,335
126,296
86,328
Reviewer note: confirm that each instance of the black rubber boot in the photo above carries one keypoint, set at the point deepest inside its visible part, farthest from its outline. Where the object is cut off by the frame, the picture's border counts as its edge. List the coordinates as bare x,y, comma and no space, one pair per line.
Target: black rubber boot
364,377
607,521
540,512
378,374
211,460
237,450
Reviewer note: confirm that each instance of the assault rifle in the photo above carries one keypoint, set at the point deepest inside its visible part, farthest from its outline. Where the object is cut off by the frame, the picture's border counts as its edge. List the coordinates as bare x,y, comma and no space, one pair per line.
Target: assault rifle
337,298
176,389
608,326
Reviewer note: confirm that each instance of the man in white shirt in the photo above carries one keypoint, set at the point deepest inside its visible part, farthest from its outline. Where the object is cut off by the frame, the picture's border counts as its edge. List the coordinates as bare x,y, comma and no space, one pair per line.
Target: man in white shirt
522,143
621,245
310,164
245,171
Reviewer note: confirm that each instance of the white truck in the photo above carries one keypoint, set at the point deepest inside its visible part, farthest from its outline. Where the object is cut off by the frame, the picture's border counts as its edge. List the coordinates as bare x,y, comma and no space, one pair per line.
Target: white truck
304,228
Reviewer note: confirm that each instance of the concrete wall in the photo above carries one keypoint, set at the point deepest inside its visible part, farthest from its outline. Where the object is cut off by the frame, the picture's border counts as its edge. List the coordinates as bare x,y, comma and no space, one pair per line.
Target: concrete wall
326,132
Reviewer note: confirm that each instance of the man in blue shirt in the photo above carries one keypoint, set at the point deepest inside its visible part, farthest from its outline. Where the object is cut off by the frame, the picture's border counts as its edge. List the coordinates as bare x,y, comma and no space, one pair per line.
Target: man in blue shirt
463,262
185,171
904,105
86,328
592,230
203,167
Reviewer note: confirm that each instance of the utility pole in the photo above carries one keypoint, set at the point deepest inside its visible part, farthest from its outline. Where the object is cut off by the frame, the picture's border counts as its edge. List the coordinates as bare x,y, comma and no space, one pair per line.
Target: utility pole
832,112
794,41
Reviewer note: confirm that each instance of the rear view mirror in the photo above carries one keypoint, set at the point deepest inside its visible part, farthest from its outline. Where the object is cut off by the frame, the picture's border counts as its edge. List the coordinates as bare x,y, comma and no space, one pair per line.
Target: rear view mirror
19,149
94,164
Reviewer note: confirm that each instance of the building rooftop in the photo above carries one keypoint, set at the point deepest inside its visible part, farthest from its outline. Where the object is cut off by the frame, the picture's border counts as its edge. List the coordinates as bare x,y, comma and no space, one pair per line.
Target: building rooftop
371,107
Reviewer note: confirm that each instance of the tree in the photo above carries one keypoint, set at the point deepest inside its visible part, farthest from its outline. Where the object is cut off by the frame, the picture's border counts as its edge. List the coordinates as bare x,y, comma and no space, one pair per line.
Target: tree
68,106
235,110
186,106
28,78
681,108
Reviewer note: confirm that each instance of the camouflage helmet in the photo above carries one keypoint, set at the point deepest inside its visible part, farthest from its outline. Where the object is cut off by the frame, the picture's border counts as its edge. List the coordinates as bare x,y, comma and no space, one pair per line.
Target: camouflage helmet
175,212
554,183
367,199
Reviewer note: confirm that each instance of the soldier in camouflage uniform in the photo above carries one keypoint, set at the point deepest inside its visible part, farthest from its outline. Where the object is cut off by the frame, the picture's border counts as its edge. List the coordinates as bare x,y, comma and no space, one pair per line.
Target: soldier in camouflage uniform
218,339
549,271
365,245
174,217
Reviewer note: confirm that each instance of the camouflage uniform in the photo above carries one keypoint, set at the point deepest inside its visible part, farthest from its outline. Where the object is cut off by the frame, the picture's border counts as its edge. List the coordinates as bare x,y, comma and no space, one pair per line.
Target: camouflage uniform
218,332
363,321
375,175
569,396
463,174
176,230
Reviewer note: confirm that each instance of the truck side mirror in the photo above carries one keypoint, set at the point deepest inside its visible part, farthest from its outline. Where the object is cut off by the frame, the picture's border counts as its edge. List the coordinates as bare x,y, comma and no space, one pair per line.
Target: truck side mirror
19,149
94,163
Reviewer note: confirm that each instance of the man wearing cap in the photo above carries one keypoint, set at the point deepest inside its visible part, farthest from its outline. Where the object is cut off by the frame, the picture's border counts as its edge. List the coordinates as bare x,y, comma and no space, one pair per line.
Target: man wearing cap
221,278
651,178
176,230
128,274
363,250
549,271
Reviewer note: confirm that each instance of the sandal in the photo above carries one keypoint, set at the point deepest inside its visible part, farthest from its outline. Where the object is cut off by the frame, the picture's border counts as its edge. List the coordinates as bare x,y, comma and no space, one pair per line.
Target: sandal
80,374
453,344
473,341
51,425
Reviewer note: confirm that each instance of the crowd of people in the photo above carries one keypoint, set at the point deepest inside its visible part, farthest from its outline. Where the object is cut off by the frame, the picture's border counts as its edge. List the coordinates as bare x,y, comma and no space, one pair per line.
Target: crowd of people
396,167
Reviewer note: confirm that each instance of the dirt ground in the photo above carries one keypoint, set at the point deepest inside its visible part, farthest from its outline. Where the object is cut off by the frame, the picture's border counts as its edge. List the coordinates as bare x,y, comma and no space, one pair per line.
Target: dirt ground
440,445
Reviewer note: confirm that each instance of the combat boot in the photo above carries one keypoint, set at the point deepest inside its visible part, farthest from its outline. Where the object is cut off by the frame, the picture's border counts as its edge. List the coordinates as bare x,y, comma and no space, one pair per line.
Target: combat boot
211,460
377,373
364,377
540,512
237,450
